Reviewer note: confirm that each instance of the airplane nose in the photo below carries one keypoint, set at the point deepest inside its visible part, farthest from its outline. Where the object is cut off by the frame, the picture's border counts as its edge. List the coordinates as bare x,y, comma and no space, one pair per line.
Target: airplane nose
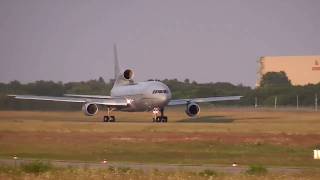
166,97
161,93
163,99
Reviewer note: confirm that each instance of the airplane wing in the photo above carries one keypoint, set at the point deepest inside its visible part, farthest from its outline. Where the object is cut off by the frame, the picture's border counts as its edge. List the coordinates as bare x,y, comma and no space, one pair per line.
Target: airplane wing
99,101
87,96
199,100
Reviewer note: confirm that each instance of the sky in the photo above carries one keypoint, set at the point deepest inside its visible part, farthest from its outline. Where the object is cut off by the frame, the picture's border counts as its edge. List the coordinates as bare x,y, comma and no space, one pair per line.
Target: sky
203,40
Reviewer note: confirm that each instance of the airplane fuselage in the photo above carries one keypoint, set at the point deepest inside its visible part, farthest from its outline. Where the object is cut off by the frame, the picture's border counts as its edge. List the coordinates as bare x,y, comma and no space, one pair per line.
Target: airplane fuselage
143,96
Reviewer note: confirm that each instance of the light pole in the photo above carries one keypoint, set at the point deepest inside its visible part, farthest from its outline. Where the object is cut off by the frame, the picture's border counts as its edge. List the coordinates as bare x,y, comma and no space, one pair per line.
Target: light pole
255,102
316,102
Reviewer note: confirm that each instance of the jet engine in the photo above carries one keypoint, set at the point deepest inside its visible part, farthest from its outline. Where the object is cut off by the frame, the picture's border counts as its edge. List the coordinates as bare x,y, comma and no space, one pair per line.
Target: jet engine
90,109
128,74
192,109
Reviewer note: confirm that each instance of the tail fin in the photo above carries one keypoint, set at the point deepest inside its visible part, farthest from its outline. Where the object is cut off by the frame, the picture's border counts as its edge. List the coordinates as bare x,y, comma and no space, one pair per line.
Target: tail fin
116,63
117,75
121,78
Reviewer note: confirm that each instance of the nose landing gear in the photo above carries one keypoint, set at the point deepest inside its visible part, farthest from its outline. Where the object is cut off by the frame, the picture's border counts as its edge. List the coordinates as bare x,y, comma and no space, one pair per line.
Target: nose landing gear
161,118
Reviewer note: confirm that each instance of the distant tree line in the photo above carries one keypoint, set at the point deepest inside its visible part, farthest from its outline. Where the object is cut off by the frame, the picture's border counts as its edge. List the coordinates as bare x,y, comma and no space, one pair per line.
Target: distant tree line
49,88
272,84
277,84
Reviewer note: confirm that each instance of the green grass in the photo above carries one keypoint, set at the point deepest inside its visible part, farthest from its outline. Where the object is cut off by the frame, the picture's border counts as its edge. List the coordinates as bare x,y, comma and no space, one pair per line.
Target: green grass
36,167
166,152
257,170
208,173
72,136
231,120
125,173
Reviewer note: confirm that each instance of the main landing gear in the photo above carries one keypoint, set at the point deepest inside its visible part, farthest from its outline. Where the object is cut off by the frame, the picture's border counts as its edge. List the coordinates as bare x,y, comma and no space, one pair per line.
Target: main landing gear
161,118
109,118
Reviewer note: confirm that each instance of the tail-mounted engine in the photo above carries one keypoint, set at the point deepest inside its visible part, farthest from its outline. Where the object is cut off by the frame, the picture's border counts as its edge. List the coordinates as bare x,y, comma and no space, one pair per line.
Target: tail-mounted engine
90,109
125,78
192,109
128,74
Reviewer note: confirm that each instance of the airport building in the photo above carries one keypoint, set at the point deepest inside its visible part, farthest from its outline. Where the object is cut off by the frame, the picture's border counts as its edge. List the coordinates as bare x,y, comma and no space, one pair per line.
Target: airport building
301,70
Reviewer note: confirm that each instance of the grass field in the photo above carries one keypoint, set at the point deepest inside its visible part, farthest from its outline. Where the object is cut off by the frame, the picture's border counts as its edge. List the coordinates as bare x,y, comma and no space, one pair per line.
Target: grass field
123,173
240,120
218,136
34,173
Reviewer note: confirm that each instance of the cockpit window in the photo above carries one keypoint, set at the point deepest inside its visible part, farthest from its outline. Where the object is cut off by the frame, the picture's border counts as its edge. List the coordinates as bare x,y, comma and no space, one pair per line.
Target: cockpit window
160,92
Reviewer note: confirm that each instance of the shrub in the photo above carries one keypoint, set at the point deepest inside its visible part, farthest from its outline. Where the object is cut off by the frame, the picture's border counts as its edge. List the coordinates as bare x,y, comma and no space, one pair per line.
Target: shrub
36,167
208,173
111,169
124,170
9,169
257,170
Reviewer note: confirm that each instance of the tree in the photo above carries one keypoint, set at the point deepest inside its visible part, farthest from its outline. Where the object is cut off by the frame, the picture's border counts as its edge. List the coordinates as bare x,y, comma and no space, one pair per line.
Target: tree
101,80
275,79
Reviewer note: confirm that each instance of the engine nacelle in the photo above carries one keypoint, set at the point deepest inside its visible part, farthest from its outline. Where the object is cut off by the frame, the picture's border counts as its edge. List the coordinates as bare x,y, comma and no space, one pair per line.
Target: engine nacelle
128,74
90,109
193,109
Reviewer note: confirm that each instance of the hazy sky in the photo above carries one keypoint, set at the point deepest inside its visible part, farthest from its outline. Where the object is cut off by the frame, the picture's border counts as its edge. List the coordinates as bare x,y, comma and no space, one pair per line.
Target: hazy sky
203,40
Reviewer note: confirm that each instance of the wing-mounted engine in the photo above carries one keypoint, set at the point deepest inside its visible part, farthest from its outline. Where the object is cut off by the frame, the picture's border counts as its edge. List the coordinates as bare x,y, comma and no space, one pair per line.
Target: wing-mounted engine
192,109
90,109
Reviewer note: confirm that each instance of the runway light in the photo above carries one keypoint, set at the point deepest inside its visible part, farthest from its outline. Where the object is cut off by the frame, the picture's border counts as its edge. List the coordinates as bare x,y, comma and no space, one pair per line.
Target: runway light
234,164
316,154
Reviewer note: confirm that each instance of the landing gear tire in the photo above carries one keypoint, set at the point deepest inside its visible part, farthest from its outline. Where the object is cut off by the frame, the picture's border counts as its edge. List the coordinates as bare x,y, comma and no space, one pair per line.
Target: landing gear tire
160,119
105,118
109,119
164,119
112,119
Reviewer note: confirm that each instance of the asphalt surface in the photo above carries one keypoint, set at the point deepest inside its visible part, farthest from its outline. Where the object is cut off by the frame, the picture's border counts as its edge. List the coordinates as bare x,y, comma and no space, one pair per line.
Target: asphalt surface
152,167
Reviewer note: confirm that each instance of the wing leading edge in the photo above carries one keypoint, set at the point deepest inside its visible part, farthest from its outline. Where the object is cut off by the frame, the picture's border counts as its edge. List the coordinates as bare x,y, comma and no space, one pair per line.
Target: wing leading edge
87,96
200,100
100,101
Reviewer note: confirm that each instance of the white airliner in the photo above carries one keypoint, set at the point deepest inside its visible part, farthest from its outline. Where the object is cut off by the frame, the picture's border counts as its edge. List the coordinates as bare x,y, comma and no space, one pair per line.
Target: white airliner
127,95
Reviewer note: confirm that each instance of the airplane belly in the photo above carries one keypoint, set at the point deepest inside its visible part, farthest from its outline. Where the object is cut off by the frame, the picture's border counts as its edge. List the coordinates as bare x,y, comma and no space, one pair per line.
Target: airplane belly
142,105
142,96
